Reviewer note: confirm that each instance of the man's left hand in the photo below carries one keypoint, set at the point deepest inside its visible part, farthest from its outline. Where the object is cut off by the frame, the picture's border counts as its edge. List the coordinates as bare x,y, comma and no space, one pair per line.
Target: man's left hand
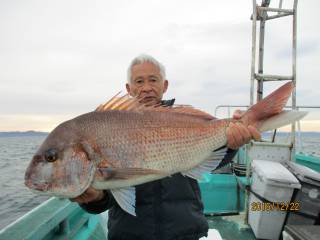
239,134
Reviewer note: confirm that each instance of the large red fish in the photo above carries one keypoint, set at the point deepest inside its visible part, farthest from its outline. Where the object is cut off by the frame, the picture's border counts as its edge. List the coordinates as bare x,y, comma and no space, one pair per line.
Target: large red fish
123,144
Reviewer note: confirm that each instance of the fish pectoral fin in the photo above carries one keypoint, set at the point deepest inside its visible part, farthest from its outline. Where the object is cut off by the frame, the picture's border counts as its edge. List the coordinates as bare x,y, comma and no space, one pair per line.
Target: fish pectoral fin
209,164
126,198
125,173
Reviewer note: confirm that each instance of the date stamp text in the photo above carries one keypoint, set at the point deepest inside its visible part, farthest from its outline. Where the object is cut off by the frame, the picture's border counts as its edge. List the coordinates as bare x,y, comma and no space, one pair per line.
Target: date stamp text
280,206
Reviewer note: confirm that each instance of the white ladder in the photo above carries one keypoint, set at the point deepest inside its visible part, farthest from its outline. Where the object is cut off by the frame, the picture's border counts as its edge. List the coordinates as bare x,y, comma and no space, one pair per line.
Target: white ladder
265,150
260,13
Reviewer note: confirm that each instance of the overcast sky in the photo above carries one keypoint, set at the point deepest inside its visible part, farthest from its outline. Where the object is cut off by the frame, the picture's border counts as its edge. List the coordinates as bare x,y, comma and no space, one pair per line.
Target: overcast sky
59,59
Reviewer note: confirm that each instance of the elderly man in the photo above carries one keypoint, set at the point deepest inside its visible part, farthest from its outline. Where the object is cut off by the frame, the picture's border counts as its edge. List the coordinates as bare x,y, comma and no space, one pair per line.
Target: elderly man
169,208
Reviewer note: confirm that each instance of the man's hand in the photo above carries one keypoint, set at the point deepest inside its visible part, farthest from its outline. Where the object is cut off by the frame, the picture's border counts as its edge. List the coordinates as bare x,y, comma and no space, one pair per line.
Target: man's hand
90,195
238,134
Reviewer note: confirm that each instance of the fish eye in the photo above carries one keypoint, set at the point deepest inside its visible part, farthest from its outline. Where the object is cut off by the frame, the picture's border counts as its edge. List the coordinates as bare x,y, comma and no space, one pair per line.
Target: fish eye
51,155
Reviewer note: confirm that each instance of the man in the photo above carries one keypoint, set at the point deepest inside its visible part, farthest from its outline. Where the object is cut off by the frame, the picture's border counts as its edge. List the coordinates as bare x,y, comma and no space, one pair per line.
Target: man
168,208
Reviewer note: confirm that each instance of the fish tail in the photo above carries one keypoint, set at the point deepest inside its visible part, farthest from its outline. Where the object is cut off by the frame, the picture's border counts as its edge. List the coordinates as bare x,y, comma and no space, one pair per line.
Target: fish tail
268,113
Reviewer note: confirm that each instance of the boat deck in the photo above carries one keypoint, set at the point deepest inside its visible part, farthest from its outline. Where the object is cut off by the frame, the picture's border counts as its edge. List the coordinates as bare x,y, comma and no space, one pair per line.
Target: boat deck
61,219
231,227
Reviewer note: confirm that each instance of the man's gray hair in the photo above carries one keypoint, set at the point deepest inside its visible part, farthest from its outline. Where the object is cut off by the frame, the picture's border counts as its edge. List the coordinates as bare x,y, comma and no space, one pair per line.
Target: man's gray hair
146,58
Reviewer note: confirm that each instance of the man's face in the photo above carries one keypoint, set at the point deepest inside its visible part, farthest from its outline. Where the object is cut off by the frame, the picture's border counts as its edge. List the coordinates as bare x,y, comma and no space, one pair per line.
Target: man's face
147,83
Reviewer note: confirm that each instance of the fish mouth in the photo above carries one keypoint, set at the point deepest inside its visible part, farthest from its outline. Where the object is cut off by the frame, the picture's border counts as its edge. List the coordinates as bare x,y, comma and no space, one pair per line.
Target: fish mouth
47,189
42,187
52,190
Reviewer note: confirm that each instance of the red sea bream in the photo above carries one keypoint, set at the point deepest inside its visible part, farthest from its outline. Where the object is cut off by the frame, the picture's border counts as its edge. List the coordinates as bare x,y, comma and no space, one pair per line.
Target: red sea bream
123,144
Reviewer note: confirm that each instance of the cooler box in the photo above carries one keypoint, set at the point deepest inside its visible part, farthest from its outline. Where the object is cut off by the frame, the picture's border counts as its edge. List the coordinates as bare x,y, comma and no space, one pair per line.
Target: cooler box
301,232
307,198
272,184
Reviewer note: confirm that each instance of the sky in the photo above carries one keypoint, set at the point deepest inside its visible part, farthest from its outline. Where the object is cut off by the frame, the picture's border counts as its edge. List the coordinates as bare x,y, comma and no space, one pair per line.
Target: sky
62,58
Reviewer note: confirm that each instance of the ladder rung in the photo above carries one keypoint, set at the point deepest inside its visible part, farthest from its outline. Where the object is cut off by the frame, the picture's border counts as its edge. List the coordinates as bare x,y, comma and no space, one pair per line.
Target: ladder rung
266,77
278,16
275,9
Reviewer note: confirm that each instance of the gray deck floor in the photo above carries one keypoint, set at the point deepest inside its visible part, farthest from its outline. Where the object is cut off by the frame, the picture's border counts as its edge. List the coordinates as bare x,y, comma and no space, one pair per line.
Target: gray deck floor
231,227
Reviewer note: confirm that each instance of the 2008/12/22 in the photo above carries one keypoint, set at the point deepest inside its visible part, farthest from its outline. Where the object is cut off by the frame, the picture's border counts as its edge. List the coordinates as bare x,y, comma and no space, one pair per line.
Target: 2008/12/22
281,206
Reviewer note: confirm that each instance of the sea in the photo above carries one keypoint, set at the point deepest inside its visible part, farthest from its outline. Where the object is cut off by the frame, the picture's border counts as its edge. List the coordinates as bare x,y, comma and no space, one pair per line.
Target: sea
16,151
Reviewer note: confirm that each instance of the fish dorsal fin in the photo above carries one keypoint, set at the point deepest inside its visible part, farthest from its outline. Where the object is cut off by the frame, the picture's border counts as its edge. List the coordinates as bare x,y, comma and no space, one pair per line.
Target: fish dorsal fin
208,165
127,103
185,109
126,198
124,102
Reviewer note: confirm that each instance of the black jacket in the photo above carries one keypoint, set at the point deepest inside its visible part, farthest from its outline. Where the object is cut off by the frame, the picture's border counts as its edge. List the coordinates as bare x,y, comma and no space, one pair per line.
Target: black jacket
167,209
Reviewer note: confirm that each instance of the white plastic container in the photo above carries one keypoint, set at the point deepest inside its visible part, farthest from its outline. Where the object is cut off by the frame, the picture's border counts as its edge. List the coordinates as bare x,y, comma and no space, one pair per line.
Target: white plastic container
272,187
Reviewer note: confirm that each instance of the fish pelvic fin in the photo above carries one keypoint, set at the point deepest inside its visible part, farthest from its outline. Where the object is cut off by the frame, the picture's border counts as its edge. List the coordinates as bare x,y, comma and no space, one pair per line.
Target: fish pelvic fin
268,113
126,199
127,103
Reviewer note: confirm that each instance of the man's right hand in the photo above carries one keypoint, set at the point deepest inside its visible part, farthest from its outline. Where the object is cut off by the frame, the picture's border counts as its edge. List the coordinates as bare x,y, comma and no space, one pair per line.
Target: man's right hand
90,195
238,134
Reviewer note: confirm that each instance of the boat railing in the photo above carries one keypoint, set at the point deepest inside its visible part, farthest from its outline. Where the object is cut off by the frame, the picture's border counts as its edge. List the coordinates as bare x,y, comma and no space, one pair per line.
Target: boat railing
56,219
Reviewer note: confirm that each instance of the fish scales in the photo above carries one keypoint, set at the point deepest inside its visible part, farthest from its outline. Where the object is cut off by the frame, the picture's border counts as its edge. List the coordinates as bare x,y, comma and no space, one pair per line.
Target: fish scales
151,139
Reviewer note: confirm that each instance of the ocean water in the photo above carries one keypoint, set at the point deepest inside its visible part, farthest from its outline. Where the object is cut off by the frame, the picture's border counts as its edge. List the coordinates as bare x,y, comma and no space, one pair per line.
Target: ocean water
307,142
16,153
15,198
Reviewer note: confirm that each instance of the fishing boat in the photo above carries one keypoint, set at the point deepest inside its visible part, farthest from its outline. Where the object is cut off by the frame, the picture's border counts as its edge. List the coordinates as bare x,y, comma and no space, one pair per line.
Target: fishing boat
227,194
